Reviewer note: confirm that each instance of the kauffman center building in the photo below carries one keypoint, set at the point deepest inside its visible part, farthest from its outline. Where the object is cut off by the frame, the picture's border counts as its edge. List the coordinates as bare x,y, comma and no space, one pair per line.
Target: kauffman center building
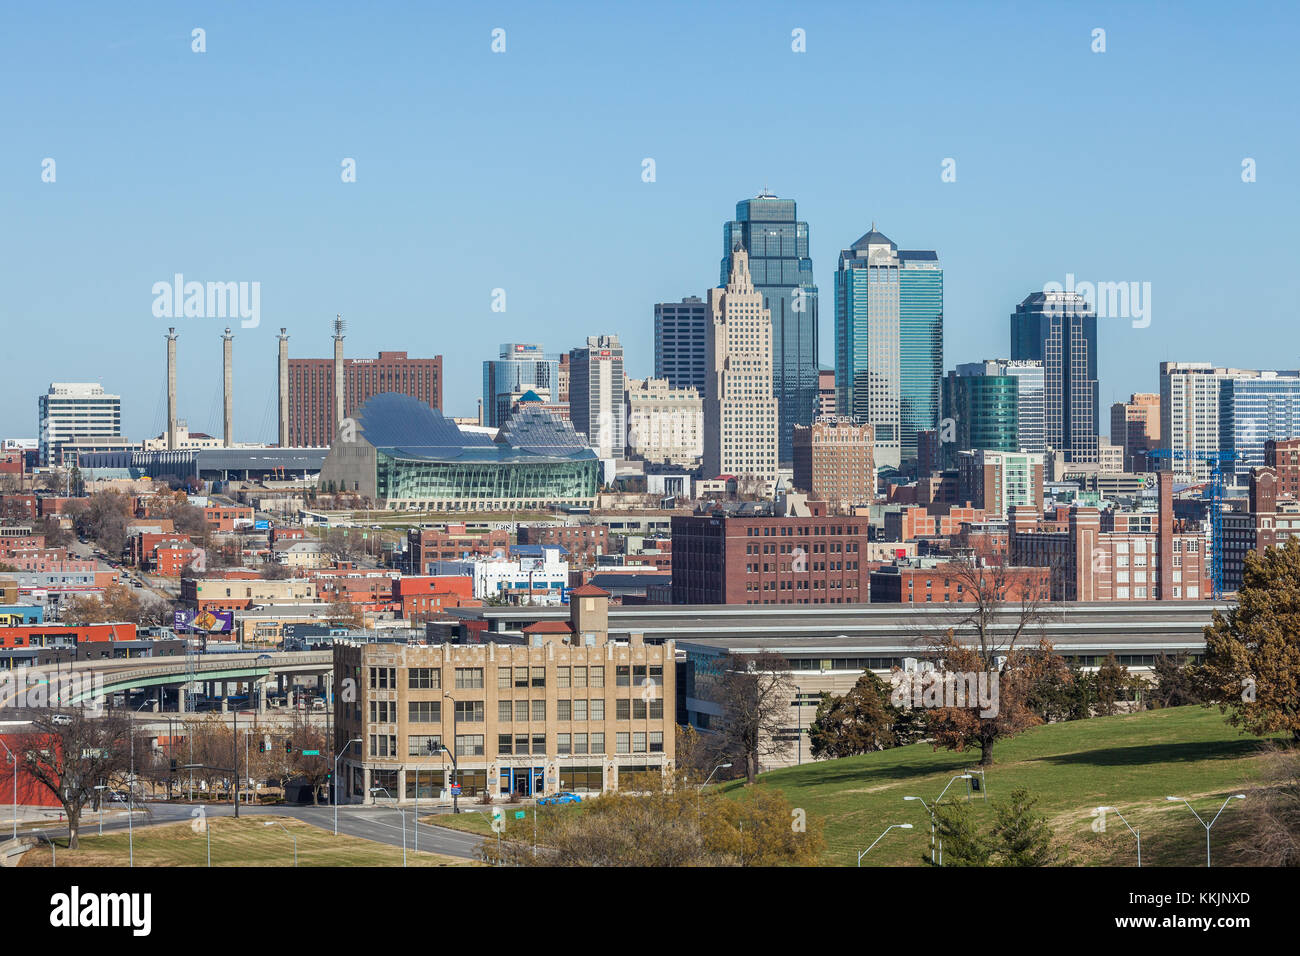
406,456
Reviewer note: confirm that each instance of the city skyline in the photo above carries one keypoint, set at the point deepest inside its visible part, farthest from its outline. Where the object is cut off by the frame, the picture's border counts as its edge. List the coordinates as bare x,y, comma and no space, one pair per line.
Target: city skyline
411,252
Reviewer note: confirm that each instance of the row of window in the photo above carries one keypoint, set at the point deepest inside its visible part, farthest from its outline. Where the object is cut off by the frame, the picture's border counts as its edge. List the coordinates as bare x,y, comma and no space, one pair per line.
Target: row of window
518,711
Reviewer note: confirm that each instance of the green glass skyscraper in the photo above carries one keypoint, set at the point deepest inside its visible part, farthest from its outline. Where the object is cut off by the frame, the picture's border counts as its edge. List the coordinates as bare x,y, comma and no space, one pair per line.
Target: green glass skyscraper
889,342
769,230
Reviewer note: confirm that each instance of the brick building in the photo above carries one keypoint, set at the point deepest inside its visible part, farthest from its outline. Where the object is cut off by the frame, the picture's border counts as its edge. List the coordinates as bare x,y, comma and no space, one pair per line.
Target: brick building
585,543
1268,520
834,461
568,709
798,554
422,597
311,390
455,542
927,582
228,517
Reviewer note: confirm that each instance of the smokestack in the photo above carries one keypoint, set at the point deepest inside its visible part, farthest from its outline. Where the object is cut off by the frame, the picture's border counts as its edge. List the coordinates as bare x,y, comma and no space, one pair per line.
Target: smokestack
284,389
171,389
227,377
339,328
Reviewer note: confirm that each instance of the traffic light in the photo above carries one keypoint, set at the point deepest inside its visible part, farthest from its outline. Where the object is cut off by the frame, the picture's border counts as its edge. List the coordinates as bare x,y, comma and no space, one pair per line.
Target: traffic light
288,746
173,765
261,746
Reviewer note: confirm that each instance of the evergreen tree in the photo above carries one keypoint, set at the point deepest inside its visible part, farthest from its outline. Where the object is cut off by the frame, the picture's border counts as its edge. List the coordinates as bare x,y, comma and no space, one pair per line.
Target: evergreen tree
1021,836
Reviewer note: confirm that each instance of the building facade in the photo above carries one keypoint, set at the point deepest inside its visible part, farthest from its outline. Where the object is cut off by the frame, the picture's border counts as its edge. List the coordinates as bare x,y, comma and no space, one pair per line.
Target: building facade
981,409
740,407
997,481
1135,428
834,462
681,342
596,394
1059,329
664,424
776,248
569,709
1253,411
312,394
520,368
889,343
77,412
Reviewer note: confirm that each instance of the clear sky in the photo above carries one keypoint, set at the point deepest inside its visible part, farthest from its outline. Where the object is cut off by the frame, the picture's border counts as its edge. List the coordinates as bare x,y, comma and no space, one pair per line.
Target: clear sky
522,171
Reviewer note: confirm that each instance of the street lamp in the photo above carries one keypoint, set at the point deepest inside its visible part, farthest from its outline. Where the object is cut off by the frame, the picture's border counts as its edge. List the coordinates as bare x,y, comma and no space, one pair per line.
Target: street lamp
384,790
931,812
277,823
700,790
13,760
1115,810
354,740
130,785
455,767
1235,796
892,826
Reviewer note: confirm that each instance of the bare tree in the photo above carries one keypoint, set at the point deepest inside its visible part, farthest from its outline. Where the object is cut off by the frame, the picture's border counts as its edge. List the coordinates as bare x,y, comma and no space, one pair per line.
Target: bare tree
754,692
70,753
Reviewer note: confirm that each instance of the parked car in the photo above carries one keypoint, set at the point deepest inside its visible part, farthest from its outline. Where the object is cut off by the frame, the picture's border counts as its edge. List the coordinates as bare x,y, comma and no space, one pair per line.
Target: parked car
61,720
558,798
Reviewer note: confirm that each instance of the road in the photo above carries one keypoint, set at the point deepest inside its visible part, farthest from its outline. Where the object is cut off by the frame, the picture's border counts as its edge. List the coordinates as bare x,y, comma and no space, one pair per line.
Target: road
378,824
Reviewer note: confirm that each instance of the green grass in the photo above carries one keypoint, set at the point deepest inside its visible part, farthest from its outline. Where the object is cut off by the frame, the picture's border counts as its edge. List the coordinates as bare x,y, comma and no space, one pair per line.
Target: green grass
1131,761
244,842
474,821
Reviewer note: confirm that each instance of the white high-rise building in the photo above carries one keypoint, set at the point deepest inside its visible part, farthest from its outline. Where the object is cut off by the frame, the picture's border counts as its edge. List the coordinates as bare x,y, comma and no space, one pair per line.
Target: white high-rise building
1189,414
740,408
80,412
596,387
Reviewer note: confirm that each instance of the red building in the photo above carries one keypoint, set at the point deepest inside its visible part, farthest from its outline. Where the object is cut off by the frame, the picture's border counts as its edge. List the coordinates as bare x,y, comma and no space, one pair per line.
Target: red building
422,598
808,557
454,543
31,793
228,517
950,584
64,635
583,542
311,390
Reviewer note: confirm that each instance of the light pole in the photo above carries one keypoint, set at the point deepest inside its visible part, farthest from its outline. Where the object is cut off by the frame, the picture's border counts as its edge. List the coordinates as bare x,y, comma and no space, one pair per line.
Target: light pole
277,823
130,786
931,812
100,799
1235,796
384,790
700,791
900,826
13,760
960,776
1115,810
354,740
455,767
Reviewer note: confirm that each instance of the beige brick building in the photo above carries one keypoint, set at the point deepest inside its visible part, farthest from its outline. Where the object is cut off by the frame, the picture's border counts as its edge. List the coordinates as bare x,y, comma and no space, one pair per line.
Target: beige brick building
569,709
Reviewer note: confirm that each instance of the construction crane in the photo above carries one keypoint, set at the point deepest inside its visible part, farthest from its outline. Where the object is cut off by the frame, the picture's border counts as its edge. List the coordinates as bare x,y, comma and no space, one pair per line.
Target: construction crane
1214,494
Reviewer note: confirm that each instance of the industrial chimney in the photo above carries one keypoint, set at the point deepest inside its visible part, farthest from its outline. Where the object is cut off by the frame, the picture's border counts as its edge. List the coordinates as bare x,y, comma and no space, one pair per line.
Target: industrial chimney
227,373
339,328
171,389
284,389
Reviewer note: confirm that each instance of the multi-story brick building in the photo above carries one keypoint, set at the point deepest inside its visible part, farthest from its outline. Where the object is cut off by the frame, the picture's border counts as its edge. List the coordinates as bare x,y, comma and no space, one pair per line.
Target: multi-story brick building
912,522
423,597
455,542
1269,519
834,461
311,390
585,543
568,709
1283,456
797,554
228,517
997,481
235,594
1115,557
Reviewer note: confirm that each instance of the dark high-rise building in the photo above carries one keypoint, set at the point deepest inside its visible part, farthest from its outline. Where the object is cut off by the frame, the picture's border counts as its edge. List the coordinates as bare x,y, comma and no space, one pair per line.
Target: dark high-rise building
980,409
682,343
1059,329
769,230
312,396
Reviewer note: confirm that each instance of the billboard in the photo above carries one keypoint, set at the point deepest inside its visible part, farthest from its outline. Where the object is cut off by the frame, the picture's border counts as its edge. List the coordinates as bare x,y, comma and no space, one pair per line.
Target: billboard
210,622
261,524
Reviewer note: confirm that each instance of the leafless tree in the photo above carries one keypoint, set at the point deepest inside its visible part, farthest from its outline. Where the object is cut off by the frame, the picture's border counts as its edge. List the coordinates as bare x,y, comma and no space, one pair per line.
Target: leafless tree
754,692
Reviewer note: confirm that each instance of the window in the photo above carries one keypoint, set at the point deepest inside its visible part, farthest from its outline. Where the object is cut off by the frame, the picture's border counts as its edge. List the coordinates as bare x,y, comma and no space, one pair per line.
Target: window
539,676
638,709
383,711
469,678
564,710
597,676
563,744
469,745
383,745
579,743
656,710
383,678
521,711
469,711
597,708
622,710
505,711
539,710
638,743
423,745
656,741
424,678
623,675
621,743
598,743
503,678
505,744
521,676
521,743
539,743
579,677
424,711
579,710
561,677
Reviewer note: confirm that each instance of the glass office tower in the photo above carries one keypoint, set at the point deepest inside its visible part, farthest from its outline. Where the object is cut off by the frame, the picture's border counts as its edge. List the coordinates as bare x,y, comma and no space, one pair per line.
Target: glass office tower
769,230
521,368
983,404
1253,410
1059,329
889,342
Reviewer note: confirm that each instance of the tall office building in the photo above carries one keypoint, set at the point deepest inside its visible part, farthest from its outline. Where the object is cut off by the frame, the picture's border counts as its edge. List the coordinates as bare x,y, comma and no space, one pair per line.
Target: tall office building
740,410
1059,329
983,407
313,397
80,413
597,394
1189,415
681,342
1135,428
1254,410
520,368
776,244
889,342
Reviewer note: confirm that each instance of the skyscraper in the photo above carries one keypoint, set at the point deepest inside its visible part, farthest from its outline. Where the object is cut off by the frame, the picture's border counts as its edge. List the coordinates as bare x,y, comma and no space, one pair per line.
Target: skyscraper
76,413
596,394
1252,411
983,406
1189,415
776,244
521,368
740,411
889,342
1059,329
681,342
315,392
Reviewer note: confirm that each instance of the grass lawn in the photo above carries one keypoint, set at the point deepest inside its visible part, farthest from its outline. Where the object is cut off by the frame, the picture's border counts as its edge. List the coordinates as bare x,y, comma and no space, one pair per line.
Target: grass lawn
474,821
244,842
1131,761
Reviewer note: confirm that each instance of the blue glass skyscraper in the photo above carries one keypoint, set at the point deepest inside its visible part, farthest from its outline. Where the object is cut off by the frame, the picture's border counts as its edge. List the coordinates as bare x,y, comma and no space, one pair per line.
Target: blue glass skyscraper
889,342
769,230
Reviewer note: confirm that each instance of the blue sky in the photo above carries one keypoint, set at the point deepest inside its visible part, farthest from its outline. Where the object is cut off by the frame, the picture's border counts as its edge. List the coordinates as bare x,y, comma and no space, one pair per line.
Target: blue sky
522,171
